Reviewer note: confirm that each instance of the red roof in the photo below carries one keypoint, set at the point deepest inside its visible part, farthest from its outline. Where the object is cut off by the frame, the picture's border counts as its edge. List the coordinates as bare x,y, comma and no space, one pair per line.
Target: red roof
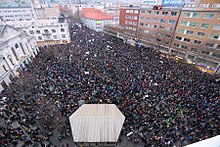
95,14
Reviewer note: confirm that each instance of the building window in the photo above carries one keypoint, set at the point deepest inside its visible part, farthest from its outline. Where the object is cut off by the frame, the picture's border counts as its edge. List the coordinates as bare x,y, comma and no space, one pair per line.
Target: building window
147,19
55,36
11,61
135,11
218,47
141,24
16,46
216,55
155,19
62,30
148,12
31,32
176,45
189,32
151,39
183,23
146,31
46,31
214,36
204,5
204,25
142,11
128,22
216,27
197,42
172,22
141,18
192,24
211,45
196,15
134,23
152,33
154,26
53,31
186,14
178,38
165,13
163,20
38,31
200,34
219,17
22,48
159,40
205,53
169,29
183,46
63,36
127,11
135,17
161,27
186,39
168,36
159,34
194,49
209,16
40,38
4,67
156,12
173,13
147,25
13,51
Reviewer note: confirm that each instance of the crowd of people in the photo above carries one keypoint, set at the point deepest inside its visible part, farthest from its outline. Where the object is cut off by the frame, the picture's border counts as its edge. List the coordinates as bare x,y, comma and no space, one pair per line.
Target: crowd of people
165,102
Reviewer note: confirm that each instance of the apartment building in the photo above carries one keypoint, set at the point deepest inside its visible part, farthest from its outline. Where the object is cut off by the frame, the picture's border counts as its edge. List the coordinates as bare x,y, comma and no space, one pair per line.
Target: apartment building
17,12
129,18
197,35
157,26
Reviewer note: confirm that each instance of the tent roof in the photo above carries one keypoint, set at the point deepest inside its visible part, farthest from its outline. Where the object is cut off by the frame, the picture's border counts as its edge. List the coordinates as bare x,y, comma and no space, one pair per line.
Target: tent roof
212,142
96,123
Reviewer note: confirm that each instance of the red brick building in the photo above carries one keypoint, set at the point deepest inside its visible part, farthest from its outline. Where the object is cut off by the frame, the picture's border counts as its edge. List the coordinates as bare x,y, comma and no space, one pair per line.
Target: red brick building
157,26
129,17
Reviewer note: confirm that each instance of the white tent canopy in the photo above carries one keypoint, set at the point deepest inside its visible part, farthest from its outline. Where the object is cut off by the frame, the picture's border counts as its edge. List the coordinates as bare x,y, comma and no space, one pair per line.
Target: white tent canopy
210,142
96,123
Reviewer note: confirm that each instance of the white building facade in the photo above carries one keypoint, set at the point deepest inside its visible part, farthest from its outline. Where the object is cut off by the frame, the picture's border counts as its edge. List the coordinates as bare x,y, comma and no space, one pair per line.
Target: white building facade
46,32
16,51
15,12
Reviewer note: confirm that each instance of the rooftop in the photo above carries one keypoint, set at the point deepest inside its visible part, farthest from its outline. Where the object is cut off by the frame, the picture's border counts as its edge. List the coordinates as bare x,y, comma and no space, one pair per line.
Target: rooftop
44,22
14,5
95,14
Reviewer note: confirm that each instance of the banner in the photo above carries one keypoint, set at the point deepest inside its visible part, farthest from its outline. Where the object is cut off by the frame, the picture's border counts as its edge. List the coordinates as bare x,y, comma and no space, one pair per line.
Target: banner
173,2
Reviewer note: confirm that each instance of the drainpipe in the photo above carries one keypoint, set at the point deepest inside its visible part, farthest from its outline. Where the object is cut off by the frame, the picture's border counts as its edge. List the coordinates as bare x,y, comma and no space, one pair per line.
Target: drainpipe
175,31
